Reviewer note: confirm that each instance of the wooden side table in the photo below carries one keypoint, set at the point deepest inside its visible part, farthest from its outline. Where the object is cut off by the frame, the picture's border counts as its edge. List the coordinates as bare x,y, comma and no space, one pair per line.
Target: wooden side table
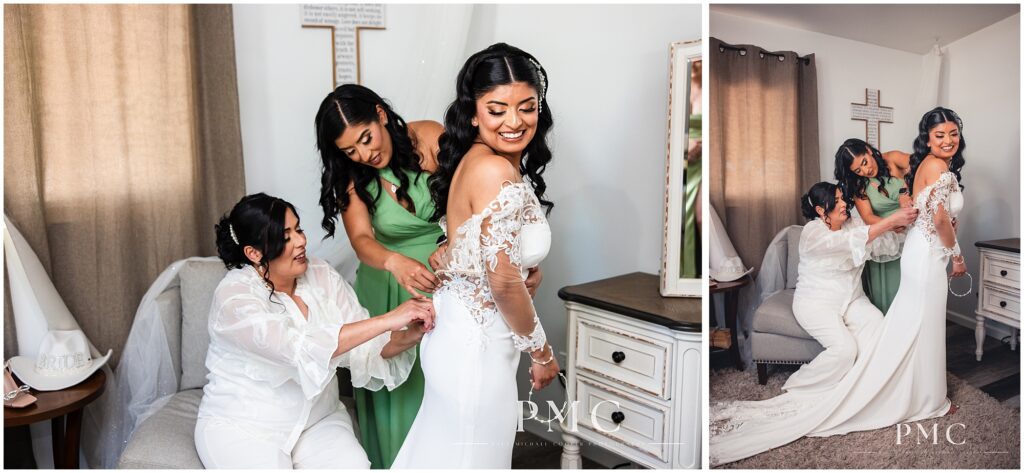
731,290
64,411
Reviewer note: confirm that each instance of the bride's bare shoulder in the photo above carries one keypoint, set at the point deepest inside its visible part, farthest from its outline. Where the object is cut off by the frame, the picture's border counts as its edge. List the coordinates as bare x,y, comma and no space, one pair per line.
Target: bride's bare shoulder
932,168
486,169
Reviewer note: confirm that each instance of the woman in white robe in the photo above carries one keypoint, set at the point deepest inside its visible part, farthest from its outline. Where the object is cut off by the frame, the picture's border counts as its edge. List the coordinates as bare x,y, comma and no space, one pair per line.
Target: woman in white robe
829,301
279,328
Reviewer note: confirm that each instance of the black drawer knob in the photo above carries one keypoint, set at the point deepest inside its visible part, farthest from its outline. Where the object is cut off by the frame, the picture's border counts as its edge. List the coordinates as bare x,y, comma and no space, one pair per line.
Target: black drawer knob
1002,273
618,417
1002,303
618,356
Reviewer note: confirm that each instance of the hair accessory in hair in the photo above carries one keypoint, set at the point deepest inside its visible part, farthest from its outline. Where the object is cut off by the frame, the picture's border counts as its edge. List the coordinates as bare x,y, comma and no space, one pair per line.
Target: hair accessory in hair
809,200
234,237
543,83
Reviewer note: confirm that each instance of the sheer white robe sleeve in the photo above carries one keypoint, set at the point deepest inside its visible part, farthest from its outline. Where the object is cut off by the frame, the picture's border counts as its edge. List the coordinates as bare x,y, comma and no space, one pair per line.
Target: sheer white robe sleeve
245,318
842,249
369,370
884,248
501,249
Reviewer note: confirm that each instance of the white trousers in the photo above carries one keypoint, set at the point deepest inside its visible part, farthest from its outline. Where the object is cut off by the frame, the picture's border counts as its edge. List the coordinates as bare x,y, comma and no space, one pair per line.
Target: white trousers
328,443
840,334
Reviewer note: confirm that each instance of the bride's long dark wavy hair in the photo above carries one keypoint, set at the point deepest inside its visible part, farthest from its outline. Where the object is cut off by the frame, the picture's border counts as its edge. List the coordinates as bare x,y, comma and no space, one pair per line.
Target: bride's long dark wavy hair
359,106
933,118
499,64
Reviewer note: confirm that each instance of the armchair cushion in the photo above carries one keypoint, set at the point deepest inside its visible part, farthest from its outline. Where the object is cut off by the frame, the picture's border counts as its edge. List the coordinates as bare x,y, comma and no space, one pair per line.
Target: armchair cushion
166,439
775,315
198,281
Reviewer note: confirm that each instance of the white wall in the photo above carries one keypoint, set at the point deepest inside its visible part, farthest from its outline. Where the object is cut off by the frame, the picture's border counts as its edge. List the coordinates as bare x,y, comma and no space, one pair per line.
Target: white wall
845,69
608,92
284,71
981,83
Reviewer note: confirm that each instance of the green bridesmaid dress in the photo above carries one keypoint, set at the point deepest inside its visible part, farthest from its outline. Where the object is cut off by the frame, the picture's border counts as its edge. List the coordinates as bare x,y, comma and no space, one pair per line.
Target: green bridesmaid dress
689,260
386,416
882,280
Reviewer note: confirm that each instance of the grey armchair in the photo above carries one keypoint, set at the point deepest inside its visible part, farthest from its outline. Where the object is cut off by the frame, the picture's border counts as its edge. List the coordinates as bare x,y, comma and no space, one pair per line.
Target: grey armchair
776,337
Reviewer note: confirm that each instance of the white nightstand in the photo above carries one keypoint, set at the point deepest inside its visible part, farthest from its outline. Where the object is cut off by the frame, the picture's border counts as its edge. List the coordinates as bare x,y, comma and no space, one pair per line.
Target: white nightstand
634,366
998,288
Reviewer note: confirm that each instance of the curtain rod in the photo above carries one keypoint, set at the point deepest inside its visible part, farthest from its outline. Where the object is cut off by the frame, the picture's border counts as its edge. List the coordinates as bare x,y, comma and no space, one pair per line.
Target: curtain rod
743,51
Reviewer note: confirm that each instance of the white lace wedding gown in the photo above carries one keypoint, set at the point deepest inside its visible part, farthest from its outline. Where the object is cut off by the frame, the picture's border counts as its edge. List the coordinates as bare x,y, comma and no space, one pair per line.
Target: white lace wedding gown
900,376
470,404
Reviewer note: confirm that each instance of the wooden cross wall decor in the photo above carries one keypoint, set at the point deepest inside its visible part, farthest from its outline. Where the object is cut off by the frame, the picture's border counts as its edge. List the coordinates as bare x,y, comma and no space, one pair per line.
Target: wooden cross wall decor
872,114
345,22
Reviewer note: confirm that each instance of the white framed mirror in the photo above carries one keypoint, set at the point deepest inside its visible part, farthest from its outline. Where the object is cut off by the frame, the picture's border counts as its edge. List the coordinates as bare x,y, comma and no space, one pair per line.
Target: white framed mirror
681,267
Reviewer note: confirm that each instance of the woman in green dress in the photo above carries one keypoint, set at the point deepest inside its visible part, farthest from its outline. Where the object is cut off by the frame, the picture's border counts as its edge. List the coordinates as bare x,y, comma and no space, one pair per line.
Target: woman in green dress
874,183
374,176
375,169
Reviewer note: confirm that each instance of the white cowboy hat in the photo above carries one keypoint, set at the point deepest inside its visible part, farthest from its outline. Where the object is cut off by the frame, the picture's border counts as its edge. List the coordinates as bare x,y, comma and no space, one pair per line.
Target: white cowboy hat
731,269
64,361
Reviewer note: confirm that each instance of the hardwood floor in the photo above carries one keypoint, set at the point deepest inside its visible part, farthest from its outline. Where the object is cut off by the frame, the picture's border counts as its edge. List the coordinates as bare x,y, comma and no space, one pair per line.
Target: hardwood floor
534,453
998,372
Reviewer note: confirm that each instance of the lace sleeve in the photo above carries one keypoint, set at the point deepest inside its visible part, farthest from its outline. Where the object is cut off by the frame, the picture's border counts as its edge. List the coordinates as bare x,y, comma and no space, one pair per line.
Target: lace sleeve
501,251
244,319
938,196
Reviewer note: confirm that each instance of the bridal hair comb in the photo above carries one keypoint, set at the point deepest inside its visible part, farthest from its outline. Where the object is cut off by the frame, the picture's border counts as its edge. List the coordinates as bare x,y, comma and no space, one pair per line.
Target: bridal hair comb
234,237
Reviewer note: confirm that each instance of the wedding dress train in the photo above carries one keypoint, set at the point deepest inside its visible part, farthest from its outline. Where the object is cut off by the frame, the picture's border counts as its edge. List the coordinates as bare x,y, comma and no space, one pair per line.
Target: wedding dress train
899,376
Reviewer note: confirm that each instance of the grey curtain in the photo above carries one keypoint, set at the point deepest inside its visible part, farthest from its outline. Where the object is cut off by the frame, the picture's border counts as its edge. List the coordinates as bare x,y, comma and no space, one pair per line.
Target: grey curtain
764,141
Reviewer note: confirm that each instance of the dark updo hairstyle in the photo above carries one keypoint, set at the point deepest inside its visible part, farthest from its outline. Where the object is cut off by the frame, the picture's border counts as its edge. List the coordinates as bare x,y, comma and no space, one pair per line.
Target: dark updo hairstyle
257,221
933,118
499,64
822,194
852,185
353,104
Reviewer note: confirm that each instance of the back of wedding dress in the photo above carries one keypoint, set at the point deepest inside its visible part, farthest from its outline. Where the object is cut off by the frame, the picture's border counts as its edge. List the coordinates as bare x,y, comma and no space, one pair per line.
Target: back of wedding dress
485,318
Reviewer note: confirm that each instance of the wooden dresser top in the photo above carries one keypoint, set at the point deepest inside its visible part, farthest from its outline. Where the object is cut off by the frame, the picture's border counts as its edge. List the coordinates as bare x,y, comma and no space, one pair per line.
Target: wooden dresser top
636,295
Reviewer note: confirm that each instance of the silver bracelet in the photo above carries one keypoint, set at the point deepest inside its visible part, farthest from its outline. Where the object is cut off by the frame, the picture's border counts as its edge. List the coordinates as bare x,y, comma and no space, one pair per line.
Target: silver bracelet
545,362
950,285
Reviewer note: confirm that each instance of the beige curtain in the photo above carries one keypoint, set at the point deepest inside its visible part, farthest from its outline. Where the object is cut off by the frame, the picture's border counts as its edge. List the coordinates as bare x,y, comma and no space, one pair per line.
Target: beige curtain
764,141
121,147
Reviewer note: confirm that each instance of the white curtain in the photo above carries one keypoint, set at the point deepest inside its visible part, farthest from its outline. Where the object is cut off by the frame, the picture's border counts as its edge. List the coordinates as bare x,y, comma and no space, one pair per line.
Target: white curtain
931,72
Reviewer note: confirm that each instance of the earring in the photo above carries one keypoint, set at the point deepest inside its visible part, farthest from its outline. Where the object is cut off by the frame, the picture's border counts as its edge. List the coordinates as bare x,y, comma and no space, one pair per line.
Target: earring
473,121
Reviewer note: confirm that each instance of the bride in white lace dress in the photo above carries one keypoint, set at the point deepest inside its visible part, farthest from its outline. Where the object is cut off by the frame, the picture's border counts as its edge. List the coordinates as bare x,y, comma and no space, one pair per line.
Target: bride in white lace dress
497,230
900,376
